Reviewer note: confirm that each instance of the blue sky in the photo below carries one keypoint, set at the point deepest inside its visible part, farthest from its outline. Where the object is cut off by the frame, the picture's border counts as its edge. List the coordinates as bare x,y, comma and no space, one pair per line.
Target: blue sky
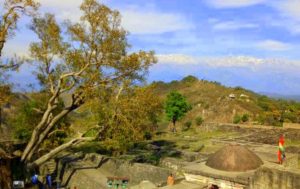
249,43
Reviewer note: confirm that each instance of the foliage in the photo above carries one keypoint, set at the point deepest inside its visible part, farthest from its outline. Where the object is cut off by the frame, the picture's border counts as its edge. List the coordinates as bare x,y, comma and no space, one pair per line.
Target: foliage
189,79
187,125
264,102
270,118
199,120
148,135
5,91
236,119
12,11
5,97
29,113
245,118
212,98
128,114
176,106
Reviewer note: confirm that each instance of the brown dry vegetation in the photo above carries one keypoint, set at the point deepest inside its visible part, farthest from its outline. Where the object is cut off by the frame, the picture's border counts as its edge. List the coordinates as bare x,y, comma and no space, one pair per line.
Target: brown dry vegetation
211,101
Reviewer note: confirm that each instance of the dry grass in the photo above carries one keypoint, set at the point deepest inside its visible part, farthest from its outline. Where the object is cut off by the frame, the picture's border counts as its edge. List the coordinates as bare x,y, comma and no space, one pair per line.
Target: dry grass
193,139
212,99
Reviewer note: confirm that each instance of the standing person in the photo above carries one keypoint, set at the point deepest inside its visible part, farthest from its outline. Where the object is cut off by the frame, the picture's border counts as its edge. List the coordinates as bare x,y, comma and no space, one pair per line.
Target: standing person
170,180
281,150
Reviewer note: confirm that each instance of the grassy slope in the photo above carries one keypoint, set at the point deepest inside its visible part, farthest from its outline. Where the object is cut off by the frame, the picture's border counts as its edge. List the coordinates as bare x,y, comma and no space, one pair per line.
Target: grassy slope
211,100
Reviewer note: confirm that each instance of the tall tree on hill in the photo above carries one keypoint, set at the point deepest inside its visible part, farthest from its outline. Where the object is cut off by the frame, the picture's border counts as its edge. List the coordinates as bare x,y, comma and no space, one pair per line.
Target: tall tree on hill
92,53
176,107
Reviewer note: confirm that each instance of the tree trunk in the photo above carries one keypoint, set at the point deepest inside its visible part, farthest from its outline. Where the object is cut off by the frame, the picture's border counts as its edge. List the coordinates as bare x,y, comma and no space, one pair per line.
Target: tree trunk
0,118
1,46
48,122
174,125
5,173
43,134
55,151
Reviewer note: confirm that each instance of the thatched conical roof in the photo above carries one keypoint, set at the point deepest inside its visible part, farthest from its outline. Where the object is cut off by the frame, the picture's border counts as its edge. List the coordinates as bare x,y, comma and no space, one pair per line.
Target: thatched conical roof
234,158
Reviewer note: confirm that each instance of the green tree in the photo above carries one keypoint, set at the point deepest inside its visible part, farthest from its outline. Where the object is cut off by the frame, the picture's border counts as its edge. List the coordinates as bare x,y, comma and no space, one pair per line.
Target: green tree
176,107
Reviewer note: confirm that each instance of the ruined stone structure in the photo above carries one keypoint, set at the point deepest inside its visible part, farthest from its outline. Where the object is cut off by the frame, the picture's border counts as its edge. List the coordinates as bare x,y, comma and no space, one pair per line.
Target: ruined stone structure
236,167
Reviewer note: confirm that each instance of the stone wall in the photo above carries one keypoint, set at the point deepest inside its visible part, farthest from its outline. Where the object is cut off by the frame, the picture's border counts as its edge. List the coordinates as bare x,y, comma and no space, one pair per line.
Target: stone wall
269,177
92,172
291,125
209,126
291,161
208,181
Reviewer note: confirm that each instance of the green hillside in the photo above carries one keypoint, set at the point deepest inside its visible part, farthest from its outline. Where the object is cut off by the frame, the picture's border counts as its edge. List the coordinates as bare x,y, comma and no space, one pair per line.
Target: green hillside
217,103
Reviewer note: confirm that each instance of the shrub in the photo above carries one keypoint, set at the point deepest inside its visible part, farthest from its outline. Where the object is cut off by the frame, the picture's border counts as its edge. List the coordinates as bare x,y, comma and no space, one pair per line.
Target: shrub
148,135
245,117
206,106
199,120
189,79
198,148
187,125
22,134
237,119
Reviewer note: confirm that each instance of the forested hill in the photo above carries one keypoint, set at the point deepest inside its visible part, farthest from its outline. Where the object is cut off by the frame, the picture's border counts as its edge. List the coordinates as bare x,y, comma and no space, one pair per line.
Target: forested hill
215,102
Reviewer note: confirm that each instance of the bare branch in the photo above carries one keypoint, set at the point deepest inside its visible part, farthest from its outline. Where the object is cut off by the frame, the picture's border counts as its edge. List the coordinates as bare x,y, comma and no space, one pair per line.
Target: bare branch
44,133
60,148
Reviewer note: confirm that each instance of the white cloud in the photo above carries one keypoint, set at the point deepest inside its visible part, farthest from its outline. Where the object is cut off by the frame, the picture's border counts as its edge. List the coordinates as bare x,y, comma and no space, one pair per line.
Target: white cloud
63,9
289,8
60,4
233,3
153,22
289,11
233,25
137,20
228,61
177,59
234,61
250,62
273,45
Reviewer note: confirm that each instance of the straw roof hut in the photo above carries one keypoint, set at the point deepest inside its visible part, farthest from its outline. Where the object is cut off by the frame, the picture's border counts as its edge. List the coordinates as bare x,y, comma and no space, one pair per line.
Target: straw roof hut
234,158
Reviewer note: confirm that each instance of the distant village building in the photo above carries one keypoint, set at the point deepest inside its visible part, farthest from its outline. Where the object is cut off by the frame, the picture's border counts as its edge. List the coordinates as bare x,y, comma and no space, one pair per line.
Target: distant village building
244,96
232,96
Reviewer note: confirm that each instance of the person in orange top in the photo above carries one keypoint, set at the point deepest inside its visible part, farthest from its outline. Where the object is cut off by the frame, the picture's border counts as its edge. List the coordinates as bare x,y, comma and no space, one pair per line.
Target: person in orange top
281,151
170,180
